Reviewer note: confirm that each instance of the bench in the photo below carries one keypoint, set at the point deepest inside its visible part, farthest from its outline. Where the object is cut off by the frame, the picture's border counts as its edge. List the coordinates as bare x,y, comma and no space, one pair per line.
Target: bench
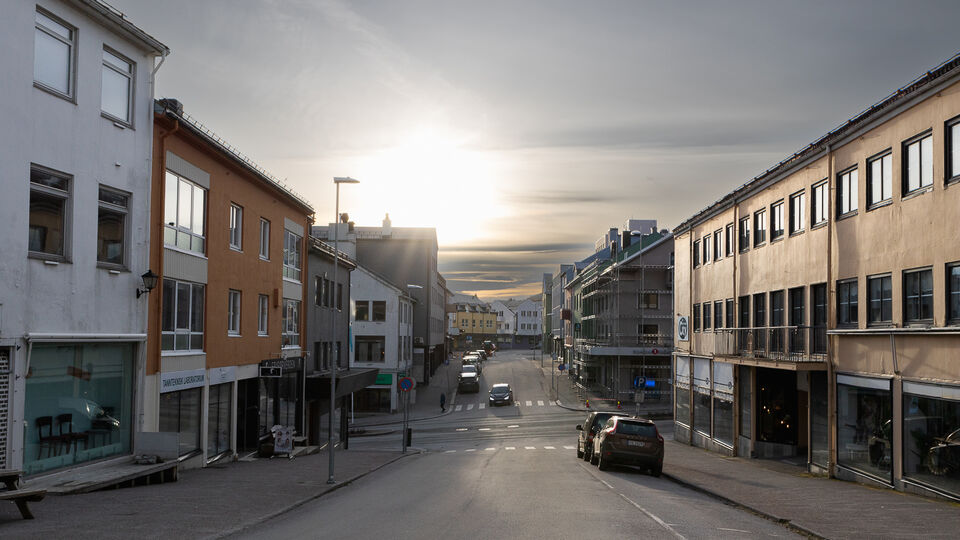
11,478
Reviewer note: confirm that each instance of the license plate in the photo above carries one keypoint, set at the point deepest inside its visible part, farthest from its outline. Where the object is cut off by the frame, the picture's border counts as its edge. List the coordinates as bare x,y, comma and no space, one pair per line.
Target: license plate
635,443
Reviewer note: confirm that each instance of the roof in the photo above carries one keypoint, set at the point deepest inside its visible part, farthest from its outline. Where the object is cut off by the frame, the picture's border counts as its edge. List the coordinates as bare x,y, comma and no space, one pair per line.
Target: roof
860,121
173,109
107,13
322,248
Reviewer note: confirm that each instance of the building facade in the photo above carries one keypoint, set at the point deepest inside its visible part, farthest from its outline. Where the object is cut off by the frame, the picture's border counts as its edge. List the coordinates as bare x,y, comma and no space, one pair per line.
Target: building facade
229,245
546,319
75,162
528,314
506,323
818,304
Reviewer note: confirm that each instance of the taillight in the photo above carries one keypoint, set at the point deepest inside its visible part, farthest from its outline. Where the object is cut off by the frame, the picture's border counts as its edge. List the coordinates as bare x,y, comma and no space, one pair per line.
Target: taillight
659,438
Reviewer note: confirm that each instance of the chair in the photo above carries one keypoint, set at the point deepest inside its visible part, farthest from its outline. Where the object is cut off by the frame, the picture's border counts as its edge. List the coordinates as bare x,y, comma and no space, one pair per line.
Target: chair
70,438
49,441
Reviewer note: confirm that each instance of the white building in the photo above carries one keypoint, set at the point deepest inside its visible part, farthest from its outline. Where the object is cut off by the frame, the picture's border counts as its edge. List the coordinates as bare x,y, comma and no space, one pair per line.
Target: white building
75,160
382,327
529,322
506,322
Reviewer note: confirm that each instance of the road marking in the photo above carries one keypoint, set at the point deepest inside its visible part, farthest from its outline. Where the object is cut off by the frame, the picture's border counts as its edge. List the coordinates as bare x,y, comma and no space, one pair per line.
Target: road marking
731,530
513,425
509,448
549,448
539,403
469,406
529,447
461,429
481,406
569,448
550,403
484,429
529,403
458,408
474,450
651,516
489,449
558,402
450,452
604,482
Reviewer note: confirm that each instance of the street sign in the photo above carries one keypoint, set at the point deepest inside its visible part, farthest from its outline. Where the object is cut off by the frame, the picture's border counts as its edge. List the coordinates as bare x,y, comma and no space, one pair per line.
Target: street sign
683,329
639,381
271,371
407,384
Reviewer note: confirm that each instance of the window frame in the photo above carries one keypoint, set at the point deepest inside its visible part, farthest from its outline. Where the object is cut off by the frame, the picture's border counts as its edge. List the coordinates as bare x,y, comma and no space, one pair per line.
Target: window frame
905,294
717,244
707,316
189,330
696,253
951,146
730,316
66,212
743,234
819,209
264,239
918,139
123,211
177,228
870,300
292,259
848,285
728,240
760,232
234,307
886,179
707,249
718,314
263,315
777,226
290,324
236,227
131,77
851,194
71,93
953,316
798,212
696,317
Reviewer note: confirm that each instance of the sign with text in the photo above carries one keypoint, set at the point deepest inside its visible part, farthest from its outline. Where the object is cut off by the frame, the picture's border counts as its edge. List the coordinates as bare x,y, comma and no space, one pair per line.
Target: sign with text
276,367
222,375
683,329
175,381
282,439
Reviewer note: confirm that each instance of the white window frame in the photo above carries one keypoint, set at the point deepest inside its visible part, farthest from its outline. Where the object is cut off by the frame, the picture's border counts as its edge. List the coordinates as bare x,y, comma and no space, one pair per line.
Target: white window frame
880,173
847,183
798,212
917,163
236,227
264,239
776,221
178,327
129,74
292,246
234,303
820,203
114,208
290,324
62,194
42,27
263,315
187,231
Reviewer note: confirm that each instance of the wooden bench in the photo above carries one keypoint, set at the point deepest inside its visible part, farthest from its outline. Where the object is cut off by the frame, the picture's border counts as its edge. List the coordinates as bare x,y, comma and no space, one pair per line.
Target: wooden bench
11,478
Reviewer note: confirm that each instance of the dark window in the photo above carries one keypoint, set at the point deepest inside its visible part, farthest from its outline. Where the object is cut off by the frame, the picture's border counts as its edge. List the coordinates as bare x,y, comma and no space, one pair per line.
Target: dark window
744,237
917,163
730,322
369,349
759,320
953,292
379,310
339,296
362,312
111,226
776,319
728,240
818,297
879,179
696,253
706,316
796,307
318,285
918,296
880,307
706,249
847,302
776,221
847,192
798,212
819,204
718,315
759,227
744,312
696,317
717,245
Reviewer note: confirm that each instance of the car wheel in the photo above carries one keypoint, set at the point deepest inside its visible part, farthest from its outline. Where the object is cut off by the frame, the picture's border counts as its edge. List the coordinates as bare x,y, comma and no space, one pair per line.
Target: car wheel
602,464
586,457
594,458
656,471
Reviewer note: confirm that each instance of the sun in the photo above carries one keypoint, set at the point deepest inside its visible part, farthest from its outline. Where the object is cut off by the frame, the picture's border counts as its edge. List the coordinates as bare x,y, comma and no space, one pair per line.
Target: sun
431,178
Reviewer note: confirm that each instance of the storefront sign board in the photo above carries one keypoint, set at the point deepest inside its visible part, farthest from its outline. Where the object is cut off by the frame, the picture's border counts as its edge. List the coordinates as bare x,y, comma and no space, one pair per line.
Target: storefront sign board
175,381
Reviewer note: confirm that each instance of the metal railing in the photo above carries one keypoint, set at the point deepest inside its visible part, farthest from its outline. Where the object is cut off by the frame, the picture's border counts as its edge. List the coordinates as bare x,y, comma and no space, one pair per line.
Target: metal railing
781,343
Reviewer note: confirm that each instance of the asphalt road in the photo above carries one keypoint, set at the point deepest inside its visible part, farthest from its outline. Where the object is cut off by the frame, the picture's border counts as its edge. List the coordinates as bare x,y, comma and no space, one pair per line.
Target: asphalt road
509,472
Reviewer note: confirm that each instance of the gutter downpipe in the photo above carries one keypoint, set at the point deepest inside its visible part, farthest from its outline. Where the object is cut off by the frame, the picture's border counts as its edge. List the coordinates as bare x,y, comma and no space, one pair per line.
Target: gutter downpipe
831,316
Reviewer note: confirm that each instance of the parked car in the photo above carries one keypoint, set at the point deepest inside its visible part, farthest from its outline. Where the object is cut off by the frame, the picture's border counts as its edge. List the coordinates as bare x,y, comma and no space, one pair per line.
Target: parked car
501,394
587,430
472,361
469,380
482,354
628,441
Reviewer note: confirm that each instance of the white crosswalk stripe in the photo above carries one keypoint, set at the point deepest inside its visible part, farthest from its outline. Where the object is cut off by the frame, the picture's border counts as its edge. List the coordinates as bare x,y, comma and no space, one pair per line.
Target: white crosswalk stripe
450,452
530,447
529,403
471,450
469,406
539,403
489,449
549,448
509,448
481,406
459,408
569,447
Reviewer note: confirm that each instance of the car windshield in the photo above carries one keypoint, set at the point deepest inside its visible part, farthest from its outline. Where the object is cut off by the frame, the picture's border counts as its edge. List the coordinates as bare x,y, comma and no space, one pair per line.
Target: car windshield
469,369
500,390
625,427
599,420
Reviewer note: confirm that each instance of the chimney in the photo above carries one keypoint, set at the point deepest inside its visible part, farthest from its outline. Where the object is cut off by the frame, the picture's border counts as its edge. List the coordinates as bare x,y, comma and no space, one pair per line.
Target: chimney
387,227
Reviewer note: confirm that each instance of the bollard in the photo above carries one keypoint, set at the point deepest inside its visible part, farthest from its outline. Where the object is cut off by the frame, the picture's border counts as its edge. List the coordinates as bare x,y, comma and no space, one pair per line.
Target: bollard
409,436
588,403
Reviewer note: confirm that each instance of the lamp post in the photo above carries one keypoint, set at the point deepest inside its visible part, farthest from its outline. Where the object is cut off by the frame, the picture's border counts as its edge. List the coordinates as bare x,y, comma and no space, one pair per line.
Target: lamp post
406,397
333,323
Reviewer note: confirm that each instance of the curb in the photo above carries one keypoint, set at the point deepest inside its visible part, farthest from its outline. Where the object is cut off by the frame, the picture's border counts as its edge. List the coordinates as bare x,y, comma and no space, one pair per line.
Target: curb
314,497
788,524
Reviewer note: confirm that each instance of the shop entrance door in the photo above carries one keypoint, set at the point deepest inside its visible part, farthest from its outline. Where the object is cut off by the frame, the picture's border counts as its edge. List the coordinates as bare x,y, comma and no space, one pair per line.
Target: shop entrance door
248,414
777,417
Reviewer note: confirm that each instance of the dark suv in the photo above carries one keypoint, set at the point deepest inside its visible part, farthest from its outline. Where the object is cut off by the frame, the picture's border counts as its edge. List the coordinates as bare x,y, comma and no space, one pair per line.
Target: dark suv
587,430
628,441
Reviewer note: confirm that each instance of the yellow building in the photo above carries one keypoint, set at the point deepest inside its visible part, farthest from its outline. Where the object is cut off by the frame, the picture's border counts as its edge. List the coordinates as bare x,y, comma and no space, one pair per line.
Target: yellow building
474,321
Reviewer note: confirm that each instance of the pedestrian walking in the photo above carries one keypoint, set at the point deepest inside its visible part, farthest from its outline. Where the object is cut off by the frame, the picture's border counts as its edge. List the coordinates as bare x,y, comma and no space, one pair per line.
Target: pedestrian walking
443,402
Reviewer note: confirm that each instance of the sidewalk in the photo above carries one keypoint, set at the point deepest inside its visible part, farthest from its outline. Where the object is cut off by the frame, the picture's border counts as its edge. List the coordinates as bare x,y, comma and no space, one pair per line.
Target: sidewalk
816,506
204,503
428,398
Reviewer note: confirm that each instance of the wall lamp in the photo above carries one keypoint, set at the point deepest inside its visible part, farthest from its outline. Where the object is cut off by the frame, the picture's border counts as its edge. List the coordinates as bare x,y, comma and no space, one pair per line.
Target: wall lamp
149,283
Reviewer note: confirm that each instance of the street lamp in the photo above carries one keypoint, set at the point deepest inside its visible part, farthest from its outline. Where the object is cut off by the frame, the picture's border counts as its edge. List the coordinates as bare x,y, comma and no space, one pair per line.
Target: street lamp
333,323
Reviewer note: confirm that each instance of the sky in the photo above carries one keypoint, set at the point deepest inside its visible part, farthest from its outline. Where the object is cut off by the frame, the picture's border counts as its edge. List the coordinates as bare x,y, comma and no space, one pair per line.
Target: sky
523,130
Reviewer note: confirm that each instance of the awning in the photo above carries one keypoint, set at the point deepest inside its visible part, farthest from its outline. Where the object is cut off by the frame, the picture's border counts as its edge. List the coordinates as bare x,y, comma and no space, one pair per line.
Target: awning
347,382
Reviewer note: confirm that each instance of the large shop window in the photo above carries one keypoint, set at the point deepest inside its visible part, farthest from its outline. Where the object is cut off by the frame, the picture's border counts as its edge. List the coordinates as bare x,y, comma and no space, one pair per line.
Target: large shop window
682,390
723,402
218,419
78,405
701,395
279,398
931,435
180,413
745,389
819,419
865,425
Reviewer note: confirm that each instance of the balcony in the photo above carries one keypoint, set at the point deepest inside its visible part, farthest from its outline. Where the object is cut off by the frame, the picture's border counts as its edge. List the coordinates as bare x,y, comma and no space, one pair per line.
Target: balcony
776,343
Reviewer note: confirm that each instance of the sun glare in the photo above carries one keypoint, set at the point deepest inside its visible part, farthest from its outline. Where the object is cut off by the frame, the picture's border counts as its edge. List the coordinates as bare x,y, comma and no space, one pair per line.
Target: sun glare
431,179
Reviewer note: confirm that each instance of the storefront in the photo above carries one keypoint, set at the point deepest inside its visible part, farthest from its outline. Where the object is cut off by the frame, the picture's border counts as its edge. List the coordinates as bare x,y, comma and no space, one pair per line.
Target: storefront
865,426
380,397
931,436
78,404
281,394
181,401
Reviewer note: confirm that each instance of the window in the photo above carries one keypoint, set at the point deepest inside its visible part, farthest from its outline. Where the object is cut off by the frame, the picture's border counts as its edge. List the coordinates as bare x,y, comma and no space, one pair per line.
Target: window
184,214
236,227
233,313
917,163
759,227
291,255
728,240
370,349
54,60
181,324
318,285
111,226
879,299
744,236
290,323
776,221
706,316
759,321
953,292
879,179
796,307
116,87
219,407
339,296
380,310
706,249
264,239
798,202
717,244
649,301
952,154
650,333
696,317
847,302
820,203
918,296
696,253
818,298
49,198
263,315
718,315
847,192
776,308
362,310
180,413
729,308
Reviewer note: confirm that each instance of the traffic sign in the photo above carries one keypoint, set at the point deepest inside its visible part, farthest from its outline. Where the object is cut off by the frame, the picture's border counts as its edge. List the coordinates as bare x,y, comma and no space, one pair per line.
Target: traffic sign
639,381
561,367
407,384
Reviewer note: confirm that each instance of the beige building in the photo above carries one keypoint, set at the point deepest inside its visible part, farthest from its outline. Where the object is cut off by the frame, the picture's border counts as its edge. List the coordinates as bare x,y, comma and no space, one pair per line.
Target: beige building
818,305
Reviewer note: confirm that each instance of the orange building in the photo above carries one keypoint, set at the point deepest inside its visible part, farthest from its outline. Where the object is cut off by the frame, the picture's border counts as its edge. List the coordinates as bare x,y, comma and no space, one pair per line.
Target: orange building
229,244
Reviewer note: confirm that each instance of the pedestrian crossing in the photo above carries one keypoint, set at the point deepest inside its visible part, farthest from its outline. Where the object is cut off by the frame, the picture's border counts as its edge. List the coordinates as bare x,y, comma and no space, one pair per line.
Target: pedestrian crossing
462,407
510,448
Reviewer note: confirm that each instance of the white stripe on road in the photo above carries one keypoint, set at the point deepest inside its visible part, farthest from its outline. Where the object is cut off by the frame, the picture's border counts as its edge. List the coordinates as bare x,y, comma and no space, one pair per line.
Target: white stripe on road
529,404
483,429
549,448
458,408
513,425
470,450
509,448
481,406
569,448
653,517
489,449
461,429
529,447
469,406
450,452
539,403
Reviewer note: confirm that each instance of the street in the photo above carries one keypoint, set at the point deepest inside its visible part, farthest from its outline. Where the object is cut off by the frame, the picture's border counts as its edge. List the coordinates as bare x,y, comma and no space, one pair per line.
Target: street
512,472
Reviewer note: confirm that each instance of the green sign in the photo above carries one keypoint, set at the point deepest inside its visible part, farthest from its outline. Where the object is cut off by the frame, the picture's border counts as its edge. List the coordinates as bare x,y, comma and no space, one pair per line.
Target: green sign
384,378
